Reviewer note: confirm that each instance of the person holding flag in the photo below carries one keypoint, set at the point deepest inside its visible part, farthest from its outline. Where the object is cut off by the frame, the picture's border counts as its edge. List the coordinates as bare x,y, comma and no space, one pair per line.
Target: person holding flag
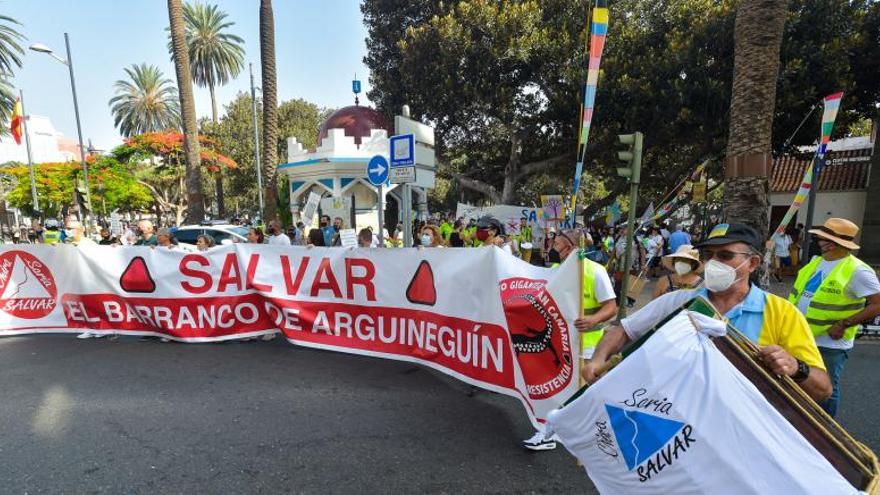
599,306
731,252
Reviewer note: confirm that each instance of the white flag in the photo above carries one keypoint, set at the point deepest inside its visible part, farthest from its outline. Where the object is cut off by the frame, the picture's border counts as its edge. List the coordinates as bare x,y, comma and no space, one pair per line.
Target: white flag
677,417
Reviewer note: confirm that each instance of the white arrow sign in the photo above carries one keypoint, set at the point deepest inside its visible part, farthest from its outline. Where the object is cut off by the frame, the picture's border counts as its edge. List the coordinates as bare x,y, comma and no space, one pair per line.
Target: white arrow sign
378,169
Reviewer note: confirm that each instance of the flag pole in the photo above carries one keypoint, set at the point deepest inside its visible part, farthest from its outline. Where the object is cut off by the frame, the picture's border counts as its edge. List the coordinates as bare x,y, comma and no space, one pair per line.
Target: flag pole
27,142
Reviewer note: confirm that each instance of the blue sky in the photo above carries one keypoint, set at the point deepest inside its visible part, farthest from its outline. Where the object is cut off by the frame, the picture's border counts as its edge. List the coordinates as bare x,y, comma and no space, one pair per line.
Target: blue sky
319,46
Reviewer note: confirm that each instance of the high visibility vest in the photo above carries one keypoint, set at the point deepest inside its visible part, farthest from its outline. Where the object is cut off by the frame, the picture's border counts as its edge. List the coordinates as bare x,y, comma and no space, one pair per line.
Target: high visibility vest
830,302
472,232
590,338
525,234
51,236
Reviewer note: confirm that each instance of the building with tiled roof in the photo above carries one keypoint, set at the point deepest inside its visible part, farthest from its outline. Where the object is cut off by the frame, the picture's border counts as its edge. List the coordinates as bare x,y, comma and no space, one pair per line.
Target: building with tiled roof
842,184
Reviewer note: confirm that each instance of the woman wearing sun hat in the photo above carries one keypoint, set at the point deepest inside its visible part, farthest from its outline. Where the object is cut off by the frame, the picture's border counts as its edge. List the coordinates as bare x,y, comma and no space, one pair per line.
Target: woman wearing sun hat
684,268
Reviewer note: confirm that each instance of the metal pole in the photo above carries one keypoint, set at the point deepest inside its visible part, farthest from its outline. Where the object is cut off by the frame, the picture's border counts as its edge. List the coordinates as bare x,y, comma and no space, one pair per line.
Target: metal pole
407,216
256,141
27,142
381,207
817,168
82,150
630,223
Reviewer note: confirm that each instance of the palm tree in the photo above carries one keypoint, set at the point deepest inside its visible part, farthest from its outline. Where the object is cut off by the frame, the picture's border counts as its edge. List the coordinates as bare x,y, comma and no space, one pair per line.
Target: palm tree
214,56
146,102
270,104
758,36
195,211
10,58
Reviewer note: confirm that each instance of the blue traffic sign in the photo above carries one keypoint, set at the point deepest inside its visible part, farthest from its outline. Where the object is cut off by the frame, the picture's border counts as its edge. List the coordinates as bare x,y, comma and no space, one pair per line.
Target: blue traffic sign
377,170
403,150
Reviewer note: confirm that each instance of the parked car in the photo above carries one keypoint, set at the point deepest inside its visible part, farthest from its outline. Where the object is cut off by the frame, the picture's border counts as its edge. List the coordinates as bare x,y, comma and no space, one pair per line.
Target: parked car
223,233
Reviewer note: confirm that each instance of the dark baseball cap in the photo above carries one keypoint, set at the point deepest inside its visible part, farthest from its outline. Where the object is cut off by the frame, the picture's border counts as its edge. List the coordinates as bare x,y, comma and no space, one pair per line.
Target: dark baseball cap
727,233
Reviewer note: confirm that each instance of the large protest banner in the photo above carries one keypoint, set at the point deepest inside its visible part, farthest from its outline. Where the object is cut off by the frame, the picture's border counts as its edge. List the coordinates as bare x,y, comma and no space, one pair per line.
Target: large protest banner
479,315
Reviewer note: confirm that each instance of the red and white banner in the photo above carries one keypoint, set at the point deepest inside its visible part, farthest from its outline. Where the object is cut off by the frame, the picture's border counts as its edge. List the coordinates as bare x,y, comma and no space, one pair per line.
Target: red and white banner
480,315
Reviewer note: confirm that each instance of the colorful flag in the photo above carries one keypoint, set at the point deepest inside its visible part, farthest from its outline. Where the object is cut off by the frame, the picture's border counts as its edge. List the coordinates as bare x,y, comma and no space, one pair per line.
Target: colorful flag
17,120
598,30
799,198
646,216
613,213
829,115
832,104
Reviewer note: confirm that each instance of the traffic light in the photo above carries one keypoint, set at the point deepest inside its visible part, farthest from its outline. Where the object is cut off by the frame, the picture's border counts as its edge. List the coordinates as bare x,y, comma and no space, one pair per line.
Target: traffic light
632,156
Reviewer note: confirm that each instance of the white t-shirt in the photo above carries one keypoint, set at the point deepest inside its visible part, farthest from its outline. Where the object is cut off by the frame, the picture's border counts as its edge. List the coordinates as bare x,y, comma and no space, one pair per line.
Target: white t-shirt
653,313
602,285
781,244
279,240
862,284
655,246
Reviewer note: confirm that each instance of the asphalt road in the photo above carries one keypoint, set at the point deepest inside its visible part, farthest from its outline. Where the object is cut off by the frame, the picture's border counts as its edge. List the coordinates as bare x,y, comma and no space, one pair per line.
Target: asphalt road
100,416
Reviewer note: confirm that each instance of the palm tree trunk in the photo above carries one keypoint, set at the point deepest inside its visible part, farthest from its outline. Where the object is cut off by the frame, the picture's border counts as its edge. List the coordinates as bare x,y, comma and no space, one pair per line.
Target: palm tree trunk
270,103
214,117
758,36
195,211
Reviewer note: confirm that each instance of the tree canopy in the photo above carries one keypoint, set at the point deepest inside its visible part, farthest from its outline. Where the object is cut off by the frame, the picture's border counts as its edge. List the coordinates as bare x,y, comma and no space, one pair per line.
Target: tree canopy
56,181
502,81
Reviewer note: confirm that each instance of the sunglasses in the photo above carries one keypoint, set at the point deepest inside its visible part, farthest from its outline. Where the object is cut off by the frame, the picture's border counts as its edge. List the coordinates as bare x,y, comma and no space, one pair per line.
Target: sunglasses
721,254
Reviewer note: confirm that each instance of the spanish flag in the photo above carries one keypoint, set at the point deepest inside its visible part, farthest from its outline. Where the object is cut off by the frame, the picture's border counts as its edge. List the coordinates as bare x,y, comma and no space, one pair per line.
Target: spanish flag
17,121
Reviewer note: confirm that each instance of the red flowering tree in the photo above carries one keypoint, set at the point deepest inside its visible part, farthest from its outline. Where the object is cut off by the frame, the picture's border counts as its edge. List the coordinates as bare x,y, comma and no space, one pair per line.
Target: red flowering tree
157,158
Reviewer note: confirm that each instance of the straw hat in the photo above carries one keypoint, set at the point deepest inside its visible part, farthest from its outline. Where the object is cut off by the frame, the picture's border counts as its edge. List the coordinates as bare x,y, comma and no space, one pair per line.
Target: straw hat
685,252
839,231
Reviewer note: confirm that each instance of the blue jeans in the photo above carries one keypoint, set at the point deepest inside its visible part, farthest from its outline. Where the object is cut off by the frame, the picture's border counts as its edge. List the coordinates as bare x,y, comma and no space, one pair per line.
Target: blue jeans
834,360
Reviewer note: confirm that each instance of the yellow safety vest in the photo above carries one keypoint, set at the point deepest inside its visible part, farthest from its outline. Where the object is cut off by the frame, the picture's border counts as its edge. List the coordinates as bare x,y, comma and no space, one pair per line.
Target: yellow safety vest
51,236
590,338
830,302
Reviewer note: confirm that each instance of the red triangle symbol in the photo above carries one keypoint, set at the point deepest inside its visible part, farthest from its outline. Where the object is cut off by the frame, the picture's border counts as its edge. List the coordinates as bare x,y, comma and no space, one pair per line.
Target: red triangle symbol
136,277
421,288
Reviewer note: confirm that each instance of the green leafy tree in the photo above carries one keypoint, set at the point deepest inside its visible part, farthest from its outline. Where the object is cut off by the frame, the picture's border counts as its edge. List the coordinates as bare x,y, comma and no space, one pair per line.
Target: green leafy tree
235,138
146,102
158,160
55,183
10,59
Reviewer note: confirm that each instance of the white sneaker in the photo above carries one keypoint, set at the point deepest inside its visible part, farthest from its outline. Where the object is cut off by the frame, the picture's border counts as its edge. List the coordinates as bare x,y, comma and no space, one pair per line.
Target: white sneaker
538,443
85,335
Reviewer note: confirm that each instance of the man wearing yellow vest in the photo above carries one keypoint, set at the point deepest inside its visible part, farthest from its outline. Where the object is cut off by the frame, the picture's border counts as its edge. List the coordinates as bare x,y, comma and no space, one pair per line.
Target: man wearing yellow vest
51,234
600,305
836,292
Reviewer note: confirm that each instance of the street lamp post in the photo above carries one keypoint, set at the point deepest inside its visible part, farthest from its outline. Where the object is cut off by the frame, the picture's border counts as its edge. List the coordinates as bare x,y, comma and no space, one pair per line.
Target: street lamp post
69,63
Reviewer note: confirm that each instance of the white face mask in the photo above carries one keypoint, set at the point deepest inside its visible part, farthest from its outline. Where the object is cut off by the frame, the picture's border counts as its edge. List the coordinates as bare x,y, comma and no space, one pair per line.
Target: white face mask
427,240
719,277
683,267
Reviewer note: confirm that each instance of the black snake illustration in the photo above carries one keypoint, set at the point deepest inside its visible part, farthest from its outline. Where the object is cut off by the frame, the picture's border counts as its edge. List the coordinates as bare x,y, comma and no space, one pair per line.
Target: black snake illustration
536,341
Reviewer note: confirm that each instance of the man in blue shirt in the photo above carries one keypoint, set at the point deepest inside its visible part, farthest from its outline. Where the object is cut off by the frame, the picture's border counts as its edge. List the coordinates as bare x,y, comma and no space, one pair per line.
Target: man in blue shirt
326,229
678,239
